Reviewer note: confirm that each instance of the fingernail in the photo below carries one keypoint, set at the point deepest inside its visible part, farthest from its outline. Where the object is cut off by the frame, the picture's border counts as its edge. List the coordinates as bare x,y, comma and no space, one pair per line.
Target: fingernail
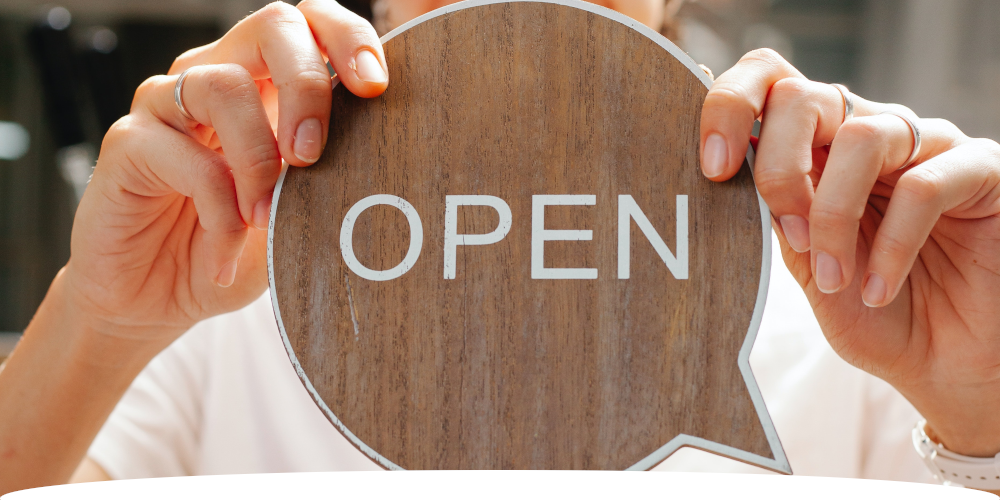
227,275
796,230
262,213
368,68
828,274
715,157
308,137
874,293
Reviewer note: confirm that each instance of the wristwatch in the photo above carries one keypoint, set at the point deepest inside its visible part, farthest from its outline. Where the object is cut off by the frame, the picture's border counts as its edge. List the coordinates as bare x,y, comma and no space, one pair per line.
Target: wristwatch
953,469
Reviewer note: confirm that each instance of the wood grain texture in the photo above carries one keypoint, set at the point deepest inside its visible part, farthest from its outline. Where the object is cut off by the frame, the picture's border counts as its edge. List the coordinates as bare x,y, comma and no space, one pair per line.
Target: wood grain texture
494,370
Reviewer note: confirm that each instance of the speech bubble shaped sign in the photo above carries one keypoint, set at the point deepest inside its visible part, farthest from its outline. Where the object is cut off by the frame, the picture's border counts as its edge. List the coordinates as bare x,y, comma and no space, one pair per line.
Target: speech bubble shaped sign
511,260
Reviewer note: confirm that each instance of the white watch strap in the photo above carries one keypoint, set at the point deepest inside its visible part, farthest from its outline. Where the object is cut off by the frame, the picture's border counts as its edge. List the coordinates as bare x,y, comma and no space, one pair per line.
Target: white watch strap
954,469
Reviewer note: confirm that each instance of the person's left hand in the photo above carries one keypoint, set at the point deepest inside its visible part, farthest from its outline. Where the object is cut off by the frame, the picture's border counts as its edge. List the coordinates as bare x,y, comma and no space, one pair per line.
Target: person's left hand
172,228
901,266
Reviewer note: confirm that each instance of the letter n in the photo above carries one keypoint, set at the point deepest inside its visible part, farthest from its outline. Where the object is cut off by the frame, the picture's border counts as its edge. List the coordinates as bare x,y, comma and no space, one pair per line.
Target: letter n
628,211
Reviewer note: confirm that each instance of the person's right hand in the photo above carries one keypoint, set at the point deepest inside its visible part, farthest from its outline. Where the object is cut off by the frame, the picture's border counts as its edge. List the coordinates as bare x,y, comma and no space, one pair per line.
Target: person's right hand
895,246
172,228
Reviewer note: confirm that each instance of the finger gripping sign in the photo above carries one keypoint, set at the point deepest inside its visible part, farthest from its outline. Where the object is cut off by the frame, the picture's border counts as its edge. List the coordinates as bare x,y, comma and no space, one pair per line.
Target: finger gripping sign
510,260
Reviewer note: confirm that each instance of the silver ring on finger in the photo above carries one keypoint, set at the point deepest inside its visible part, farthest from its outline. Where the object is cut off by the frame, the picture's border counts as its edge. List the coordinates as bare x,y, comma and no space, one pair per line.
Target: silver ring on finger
848,100
916,136
177,95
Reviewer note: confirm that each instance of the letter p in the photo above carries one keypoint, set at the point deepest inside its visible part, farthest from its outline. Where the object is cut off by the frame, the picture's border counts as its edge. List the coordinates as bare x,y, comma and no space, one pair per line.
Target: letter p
452,239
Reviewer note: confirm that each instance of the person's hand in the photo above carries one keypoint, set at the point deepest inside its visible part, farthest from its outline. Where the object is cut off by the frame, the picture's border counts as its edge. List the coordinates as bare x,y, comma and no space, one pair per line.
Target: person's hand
172,228
902,267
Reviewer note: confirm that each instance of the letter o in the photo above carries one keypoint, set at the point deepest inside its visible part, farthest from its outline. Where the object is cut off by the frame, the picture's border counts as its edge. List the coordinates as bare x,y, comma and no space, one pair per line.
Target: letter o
347,237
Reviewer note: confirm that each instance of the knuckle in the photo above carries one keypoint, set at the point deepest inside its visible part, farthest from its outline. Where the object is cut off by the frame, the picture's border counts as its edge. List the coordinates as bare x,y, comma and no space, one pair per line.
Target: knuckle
276,10
730,95
263,162
922,185
277,14
147,89
215,183
726,94
231,224
795,93
189,56
865,132
143,91
309,84
352,32
830,216
861,130
226,222
773,182
765,56
357,28
899,108
890,244
360,34
790,87
119,133
230,80
213,172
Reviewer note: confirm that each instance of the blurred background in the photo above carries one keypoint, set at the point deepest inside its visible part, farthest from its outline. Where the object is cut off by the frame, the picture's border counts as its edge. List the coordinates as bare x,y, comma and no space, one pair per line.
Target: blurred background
68,71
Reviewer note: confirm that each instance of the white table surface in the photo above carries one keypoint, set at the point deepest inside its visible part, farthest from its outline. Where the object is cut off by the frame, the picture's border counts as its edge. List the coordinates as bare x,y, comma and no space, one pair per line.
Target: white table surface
506,485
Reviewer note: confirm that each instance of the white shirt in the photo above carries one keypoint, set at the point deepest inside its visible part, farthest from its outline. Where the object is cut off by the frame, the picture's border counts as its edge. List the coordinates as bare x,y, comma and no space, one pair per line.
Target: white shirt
224,399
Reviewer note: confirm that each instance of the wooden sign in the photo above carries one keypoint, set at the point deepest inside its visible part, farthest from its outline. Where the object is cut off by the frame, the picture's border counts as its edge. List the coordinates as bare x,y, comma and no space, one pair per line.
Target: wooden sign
511,260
